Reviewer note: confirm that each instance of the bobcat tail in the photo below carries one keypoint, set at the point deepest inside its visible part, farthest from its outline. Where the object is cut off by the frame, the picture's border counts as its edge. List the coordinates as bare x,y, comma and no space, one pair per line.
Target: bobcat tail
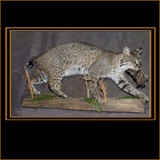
32,61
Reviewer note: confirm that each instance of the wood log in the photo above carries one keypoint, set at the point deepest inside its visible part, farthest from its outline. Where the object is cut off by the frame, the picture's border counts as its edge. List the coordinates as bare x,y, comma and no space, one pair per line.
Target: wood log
112,104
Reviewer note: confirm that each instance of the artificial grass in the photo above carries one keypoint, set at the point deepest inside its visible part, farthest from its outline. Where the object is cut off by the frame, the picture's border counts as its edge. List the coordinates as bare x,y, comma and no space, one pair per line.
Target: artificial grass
128,97
43,97
93,102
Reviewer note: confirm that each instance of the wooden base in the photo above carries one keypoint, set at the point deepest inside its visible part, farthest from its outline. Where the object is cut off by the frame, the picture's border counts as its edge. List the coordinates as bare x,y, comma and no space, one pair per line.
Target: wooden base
112,104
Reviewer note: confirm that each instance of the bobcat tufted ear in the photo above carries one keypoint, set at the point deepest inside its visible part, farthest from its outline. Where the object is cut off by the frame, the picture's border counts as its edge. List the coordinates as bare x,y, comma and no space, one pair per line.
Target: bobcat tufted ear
137,52
126,50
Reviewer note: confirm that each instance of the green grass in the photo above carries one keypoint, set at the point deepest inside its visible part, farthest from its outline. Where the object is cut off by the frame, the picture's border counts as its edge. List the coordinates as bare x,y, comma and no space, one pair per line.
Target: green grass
93,102
43,97
128,97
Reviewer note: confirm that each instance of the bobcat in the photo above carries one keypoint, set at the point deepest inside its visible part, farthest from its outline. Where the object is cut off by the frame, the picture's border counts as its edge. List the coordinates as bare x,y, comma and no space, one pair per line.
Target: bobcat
78,58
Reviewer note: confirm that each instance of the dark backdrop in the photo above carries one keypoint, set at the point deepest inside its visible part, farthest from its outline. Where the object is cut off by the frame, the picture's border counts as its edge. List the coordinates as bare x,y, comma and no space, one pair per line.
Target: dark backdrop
26,44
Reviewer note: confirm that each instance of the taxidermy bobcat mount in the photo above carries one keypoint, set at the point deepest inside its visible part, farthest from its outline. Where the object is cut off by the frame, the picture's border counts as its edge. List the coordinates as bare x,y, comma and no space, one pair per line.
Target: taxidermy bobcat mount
78,58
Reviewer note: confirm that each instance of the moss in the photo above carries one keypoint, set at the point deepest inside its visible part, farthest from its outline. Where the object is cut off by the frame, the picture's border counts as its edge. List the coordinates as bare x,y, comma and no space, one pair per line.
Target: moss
43,97
93,102
128,97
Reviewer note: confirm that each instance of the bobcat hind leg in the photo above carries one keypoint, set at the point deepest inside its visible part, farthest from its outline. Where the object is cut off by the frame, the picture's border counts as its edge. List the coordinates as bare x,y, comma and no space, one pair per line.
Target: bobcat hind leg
55,87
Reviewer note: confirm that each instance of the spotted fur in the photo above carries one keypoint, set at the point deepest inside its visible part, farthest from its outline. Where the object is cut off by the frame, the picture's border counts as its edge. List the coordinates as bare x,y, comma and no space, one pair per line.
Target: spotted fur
77,58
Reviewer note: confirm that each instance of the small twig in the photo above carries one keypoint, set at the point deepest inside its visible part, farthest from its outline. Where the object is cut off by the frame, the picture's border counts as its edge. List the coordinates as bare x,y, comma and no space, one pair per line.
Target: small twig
86,78
28,81
20,75
87,88
103,89
100,83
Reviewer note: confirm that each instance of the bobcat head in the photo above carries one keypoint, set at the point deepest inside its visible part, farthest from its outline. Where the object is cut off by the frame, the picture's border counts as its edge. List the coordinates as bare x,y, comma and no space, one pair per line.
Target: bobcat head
131,60
138,76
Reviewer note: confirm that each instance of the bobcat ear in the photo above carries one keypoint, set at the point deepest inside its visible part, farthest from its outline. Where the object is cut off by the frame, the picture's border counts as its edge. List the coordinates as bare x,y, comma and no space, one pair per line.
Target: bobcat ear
126,50
137,52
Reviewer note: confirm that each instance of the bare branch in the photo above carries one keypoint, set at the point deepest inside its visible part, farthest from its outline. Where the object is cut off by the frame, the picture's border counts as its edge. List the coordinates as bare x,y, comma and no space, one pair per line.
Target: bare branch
20,75
103,89
28,81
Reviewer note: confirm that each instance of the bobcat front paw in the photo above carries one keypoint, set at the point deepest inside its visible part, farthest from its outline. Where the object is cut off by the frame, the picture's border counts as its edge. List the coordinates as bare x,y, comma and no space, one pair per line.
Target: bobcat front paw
143,96
37,93
64,96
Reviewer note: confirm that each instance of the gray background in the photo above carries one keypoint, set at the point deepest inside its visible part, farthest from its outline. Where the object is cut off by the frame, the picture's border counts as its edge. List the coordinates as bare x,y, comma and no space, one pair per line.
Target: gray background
26,44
